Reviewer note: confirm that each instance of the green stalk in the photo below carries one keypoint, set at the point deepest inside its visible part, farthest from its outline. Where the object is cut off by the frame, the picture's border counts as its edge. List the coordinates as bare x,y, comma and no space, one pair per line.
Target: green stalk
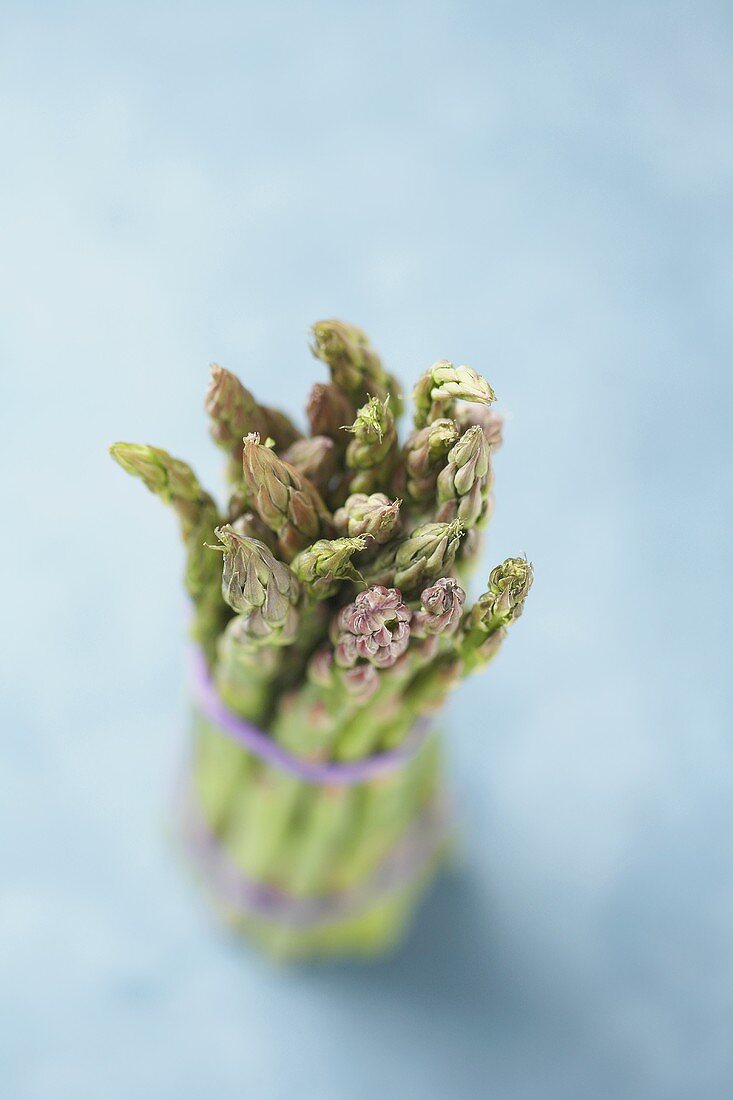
427,553
373,452
175,483
234,413
313,842
355,367
314,458
370,516
464,483
283,498
423,457
438,390
329,409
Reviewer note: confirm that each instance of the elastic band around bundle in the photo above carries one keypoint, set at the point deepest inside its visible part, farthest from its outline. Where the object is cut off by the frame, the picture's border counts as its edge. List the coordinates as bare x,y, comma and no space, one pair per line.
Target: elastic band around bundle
402,868
260,744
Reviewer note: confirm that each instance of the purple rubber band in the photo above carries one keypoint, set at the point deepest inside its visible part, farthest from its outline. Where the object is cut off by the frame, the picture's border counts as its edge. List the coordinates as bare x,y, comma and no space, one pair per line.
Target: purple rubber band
329,773
402,867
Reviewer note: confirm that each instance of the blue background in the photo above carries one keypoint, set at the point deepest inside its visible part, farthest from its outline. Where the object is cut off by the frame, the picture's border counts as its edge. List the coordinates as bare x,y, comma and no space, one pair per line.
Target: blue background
542,191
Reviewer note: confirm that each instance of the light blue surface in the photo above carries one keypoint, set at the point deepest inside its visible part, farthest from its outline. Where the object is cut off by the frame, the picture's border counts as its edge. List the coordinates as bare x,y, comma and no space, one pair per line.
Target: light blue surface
543,191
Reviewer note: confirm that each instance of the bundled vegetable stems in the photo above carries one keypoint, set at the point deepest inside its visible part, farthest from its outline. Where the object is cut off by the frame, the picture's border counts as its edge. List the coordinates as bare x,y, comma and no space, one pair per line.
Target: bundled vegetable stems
327,601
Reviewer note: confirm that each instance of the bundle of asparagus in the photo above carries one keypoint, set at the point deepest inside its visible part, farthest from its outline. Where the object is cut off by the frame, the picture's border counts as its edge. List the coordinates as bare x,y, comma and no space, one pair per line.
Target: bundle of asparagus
330,620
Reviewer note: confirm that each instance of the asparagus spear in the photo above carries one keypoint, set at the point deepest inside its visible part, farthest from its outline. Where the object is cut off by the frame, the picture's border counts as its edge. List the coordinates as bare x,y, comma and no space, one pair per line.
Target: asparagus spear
234,413
477,642
464,482
441,607
381,811
175,483
374,517
323,566
308,718
388,805
372,453
427,553
502,603
250,525
328,410
260,818
423,457
439,614
368,634
442,385
245,674
263,815
284,499
309,848
375,628
264,593
354,364
320,568
315,458
491,423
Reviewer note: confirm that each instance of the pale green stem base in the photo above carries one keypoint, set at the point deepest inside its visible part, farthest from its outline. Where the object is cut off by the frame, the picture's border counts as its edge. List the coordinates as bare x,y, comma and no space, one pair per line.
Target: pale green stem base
311,841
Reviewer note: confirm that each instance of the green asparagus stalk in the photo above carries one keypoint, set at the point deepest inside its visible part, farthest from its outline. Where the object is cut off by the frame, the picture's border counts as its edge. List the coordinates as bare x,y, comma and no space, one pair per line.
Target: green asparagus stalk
369,634
437,392
374,628
423,457
263,591
354,364
258,819
502,603
328,410
388,805
464,482
310,849
325,565
380,812
220,766
426,554
264,814
265,594
168,478
307,719
256,829
284,499
251,526
438,616
245,675
374,517
315,458
175,483
234,413
373,451
482,632
490,422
